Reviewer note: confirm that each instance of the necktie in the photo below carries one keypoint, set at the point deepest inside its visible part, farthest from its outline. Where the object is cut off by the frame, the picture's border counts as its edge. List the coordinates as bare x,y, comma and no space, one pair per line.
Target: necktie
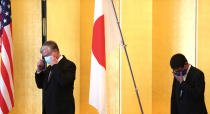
49,76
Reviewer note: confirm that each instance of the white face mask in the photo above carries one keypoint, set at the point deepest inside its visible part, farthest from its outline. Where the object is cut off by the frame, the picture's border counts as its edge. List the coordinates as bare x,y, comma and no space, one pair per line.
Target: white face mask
48,59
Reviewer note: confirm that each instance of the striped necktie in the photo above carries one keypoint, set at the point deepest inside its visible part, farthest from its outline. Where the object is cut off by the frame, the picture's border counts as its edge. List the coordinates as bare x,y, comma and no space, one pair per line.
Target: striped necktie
49,76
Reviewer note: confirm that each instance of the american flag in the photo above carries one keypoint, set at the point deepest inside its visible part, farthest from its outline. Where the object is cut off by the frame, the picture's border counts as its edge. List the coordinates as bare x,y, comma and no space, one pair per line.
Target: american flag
6,76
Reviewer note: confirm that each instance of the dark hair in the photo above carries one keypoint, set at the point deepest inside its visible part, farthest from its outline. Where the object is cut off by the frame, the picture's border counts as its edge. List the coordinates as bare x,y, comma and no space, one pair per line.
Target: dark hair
51,44
177,60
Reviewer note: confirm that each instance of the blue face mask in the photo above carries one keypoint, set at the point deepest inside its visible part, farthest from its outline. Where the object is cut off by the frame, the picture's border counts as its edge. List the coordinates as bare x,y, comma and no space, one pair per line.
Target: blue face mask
182,72
48,59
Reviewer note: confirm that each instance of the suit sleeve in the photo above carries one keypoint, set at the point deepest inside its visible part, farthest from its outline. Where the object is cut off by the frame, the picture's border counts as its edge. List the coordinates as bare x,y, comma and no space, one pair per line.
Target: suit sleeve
196,86
173,100
64,73
39,78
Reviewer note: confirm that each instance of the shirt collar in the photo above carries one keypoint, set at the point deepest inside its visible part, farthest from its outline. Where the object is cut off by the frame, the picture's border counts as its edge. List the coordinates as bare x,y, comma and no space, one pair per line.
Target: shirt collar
61,57
185,76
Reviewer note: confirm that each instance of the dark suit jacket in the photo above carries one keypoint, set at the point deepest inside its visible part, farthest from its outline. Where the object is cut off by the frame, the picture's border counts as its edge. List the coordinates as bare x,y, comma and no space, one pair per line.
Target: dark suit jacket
58,91
191,101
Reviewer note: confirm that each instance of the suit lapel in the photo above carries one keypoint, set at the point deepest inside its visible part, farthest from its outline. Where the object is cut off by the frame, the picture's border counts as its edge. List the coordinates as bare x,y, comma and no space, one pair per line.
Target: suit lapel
46,78
60,62
189,75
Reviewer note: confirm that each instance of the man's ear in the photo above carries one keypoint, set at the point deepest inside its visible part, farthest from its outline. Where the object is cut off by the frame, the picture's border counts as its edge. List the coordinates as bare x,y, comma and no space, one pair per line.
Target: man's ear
185,64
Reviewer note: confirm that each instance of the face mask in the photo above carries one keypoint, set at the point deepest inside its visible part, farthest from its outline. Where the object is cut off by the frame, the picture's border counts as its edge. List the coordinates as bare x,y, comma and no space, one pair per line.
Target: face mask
48,59
182,72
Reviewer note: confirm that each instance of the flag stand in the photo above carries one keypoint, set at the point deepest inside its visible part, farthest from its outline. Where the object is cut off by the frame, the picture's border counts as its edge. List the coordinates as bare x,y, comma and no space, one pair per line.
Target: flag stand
124,46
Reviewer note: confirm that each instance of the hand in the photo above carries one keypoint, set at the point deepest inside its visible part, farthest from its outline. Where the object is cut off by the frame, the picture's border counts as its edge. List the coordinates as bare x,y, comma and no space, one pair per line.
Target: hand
40,65
179,78
53,61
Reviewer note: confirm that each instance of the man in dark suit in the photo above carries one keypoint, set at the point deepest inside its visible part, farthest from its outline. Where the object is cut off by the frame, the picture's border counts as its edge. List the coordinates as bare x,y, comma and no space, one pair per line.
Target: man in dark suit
188,87
56,81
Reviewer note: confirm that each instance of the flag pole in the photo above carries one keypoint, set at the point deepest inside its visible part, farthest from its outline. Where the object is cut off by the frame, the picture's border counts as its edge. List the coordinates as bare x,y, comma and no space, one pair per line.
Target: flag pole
44,27
44,23
124,46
